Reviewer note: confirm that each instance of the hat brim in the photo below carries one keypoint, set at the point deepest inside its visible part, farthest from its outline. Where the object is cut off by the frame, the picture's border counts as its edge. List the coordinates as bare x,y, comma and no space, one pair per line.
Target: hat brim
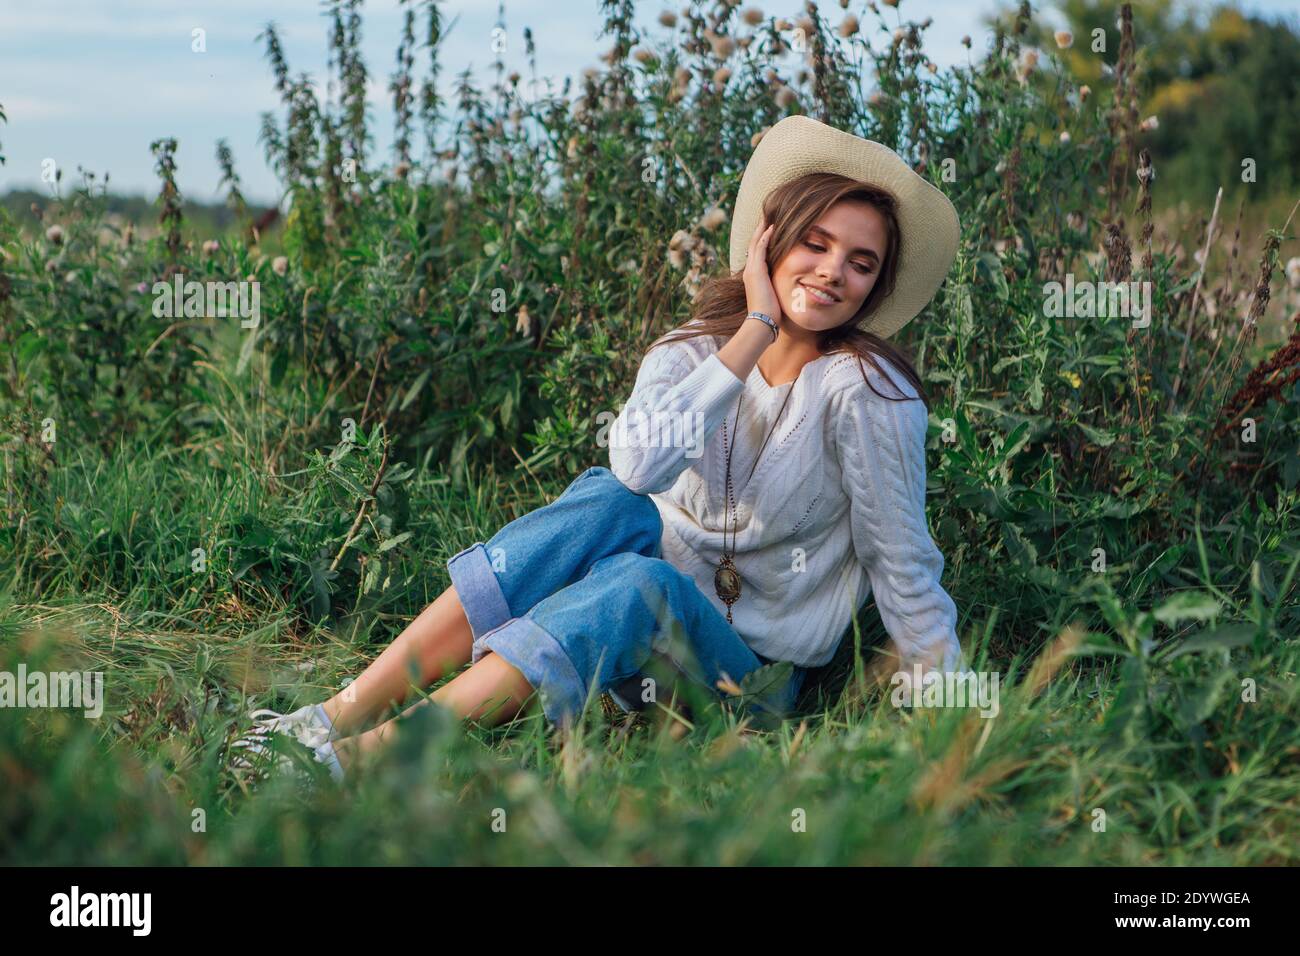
798,145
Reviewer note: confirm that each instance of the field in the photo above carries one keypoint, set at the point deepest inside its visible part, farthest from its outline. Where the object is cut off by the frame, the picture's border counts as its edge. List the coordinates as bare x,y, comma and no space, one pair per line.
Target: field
218,515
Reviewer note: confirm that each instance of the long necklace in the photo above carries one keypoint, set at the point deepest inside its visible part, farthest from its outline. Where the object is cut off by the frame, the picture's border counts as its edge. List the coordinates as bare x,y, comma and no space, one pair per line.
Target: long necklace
726,579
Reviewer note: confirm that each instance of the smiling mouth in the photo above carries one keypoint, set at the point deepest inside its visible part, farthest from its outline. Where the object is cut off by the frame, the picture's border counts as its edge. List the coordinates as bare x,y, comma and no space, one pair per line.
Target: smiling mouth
818,296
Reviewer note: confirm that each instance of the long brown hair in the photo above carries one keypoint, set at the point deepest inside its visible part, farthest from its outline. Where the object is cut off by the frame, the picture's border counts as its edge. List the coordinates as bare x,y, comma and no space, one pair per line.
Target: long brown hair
720,307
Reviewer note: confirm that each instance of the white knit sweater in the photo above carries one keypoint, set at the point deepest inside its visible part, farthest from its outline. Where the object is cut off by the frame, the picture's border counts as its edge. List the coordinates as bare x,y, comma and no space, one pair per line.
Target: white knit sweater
834,512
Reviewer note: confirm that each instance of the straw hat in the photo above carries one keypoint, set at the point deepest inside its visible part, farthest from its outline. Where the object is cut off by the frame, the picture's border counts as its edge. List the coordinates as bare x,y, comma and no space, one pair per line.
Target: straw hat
798,145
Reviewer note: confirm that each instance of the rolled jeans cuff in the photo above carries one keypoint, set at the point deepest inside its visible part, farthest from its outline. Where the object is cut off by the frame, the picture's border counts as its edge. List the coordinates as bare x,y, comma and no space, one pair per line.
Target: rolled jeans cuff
478,589
536,654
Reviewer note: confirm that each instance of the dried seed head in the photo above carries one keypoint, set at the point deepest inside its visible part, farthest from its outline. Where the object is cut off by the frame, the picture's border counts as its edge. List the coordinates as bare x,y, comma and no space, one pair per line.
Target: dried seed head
1064,39
55,235
714,218
752,15
1293,272
280,265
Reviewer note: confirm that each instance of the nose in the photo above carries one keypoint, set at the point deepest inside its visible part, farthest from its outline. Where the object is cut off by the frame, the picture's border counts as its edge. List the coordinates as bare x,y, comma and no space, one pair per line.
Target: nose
829,270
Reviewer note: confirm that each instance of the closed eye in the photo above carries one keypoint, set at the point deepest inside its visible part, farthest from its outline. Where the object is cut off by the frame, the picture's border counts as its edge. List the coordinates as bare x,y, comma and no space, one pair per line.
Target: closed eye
863,268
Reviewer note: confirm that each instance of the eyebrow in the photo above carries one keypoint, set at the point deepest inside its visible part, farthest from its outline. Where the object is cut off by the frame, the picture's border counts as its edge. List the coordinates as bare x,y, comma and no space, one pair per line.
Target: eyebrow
831,236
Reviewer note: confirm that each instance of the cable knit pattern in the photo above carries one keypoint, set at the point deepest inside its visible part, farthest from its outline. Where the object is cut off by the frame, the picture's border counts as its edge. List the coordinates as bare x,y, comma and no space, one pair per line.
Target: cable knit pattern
834,511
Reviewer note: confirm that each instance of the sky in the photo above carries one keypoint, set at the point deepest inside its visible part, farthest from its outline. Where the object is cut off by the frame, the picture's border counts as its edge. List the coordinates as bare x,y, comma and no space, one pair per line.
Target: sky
92,83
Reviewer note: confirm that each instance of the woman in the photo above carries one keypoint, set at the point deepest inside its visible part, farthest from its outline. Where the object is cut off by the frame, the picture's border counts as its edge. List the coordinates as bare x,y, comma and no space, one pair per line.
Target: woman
768,468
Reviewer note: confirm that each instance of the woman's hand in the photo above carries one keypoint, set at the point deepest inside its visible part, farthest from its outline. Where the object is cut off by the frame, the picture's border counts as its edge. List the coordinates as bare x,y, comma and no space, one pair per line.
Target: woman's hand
760,296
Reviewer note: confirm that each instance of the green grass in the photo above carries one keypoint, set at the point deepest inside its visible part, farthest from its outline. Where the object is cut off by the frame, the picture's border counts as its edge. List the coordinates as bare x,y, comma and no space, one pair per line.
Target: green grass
1184,771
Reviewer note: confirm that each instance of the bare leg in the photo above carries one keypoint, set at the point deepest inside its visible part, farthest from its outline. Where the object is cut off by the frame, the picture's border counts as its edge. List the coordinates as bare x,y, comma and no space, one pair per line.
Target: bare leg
490,692
438,641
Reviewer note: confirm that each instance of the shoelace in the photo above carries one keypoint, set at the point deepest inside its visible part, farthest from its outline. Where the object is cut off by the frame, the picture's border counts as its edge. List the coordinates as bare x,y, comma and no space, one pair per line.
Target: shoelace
256,743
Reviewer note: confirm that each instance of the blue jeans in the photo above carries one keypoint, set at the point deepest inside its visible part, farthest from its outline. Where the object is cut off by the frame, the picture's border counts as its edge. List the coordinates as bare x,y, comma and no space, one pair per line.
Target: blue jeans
576,596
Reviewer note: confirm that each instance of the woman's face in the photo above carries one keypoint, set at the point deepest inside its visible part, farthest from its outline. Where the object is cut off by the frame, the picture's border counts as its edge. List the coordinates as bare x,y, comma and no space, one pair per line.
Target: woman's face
824,279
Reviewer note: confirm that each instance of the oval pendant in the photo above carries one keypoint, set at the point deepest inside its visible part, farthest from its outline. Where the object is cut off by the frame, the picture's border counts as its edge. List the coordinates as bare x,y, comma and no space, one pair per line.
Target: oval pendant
727,582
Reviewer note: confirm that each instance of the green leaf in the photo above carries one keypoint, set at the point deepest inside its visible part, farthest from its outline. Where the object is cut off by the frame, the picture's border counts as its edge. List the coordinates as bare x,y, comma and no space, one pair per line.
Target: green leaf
246,350
415,388
1220,638
395,541
1188,606
1097,436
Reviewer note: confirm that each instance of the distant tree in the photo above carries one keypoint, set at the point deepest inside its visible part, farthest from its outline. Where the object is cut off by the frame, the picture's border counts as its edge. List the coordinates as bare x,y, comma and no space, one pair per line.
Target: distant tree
1224,84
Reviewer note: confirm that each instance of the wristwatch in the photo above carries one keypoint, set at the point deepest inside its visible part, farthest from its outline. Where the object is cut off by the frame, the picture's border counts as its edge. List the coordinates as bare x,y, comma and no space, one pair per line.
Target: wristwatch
766,320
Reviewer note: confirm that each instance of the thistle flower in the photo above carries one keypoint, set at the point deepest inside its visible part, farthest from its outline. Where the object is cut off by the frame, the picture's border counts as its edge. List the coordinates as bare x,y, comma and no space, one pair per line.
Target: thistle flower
712,219
1084,92
1064,39
849,26
1293,272
1028,62
965,41
677,258
723,46
210,247
752,15
55,235
280,265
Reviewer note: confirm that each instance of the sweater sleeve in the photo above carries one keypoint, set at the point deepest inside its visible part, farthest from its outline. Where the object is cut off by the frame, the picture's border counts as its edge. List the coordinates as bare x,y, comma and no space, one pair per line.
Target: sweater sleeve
674,407
881,446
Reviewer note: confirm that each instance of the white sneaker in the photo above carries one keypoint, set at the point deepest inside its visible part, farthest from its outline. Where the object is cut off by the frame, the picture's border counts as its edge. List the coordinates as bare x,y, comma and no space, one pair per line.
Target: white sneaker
309,726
